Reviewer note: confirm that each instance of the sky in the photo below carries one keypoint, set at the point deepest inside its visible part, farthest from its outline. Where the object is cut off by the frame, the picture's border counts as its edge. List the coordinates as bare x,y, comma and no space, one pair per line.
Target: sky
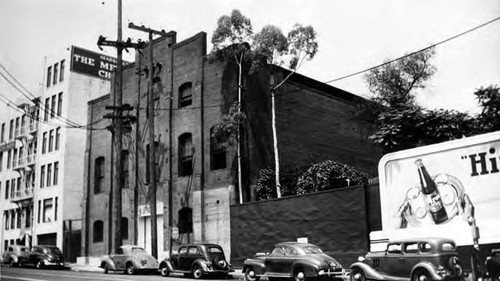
353,35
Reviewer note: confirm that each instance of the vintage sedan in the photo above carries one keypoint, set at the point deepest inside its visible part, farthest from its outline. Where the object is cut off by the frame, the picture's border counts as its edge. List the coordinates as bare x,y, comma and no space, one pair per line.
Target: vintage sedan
492,265
421,259
42,256
197,260
130,259
14,254
292,259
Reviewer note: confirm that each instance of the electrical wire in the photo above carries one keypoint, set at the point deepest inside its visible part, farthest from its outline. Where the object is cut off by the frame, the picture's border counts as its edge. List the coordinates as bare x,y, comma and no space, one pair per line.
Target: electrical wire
415,52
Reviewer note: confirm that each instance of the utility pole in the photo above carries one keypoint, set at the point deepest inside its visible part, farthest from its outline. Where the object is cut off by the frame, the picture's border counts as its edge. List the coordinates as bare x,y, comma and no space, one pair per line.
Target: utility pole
117,129
152,143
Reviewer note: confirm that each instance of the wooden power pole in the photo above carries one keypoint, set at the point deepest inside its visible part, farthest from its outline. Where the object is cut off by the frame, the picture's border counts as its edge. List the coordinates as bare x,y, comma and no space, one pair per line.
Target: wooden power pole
117,117
152,143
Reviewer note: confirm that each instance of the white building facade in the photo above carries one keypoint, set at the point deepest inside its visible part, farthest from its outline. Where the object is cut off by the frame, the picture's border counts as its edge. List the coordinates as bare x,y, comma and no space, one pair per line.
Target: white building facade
42,153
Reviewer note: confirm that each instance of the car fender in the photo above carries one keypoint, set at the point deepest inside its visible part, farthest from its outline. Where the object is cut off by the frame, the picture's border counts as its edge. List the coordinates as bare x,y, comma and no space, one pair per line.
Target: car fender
257,264
202,263
107,261
431,268
369,271
168,263
310,269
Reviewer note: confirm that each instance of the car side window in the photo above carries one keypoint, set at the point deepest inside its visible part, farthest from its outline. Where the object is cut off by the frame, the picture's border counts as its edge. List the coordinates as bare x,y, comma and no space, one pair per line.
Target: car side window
182,250
193,251
394,248
278,251
425,247
290,251
411,248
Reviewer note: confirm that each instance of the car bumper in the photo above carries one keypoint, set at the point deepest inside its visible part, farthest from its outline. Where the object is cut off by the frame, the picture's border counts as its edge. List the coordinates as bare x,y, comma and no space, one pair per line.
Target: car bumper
332,273
56,263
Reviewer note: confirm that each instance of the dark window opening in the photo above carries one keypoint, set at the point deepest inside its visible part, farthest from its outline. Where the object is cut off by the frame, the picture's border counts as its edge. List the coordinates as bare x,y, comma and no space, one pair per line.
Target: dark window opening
125,168
99,175
98,231
186,94
185,220
124,228
217,153
186,152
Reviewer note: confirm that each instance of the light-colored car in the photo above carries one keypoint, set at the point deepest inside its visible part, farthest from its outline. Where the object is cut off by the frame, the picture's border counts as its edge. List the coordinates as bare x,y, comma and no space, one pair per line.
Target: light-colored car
130,259
14,254
421,259
197,260
299,261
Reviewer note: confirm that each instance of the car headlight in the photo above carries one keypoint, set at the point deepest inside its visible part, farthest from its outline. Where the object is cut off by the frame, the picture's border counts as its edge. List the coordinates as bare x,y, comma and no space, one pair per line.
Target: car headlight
361,259
333,265
209,264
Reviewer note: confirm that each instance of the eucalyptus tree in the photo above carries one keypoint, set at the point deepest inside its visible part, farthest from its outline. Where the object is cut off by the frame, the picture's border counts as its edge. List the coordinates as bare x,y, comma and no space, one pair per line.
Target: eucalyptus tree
234,39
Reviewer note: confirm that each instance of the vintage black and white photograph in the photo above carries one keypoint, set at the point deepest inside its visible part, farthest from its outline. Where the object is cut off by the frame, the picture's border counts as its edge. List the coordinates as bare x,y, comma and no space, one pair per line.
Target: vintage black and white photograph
250,140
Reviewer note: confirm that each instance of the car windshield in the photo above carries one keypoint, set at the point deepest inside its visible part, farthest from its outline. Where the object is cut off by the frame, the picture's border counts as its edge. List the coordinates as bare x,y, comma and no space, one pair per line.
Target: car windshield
53,251
312,249
448,247
139,250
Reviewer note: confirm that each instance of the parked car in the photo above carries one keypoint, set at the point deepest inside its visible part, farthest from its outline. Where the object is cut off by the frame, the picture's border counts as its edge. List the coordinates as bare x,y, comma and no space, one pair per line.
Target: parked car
492,265
411,259
41,256
130,259
197,260
14,253
292,259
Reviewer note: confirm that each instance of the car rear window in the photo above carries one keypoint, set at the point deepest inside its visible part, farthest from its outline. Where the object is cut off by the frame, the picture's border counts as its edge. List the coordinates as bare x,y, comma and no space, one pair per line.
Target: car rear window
448,247
214,250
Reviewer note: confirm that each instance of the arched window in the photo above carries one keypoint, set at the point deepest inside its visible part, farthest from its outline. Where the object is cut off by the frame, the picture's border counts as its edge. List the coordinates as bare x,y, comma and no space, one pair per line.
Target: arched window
98,231
186,151
124,228
99,174
217,153
186,94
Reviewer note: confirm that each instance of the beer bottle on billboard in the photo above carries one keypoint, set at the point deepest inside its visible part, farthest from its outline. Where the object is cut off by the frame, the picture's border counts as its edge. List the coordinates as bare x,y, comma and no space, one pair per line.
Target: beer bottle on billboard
431,193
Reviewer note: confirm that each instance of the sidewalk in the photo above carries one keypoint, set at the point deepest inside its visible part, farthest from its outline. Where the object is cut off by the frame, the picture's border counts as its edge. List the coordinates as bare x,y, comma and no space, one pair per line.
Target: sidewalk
83,267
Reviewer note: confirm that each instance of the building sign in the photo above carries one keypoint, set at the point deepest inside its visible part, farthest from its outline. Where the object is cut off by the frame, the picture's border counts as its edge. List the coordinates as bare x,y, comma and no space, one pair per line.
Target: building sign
92,63
145,210
433,190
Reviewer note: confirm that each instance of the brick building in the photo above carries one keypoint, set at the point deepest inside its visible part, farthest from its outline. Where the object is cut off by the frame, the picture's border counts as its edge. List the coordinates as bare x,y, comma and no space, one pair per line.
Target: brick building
196,175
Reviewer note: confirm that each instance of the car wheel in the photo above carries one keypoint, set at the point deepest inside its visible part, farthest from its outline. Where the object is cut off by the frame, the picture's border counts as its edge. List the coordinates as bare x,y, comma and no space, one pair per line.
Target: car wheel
197,272
299,275
250,275
357,274
129,269
164,270
12,263
39,265
421,275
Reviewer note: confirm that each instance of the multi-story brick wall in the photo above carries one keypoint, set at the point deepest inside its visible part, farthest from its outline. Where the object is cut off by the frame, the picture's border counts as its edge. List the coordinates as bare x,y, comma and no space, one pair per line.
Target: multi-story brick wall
190,96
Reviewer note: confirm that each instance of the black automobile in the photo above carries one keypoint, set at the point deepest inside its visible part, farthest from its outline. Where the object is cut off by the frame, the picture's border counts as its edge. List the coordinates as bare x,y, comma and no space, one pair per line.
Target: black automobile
197,260
419,259
492,265
42,256
299,261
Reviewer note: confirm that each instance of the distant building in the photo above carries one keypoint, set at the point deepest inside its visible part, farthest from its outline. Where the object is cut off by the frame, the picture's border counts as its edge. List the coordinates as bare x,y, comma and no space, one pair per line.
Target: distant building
42,152
196,174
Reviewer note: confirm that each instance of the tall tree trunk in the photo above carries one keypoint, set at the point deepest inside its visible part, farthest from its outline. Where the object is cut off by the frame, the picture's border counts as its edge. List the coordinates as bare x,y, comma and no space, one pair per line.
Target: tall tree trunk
275,139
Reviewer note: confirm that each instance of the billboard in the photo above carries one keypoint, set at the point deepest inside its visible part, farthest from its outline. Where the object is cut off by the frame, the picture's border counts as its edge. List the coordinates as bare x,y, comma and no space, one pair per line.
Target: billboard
433,190
92,63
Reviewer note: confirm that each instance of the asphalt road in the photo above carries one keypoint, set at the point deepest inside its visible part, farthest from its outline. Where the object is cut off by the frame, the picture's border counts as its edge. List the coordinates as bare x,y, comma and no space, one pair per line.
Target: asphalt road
31,274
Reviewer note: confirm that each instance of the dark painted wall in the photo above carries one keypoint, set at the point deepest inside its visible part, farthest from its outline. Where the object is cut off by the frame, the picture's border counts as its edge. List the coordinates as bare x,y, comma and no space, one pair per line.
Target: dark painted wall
334,220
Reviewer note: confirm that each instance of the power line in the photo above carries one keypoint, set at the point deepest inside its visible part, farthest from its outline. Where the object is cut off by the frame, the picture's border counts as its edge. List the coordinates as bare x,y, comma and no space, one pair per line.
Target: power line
30,98
415,52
